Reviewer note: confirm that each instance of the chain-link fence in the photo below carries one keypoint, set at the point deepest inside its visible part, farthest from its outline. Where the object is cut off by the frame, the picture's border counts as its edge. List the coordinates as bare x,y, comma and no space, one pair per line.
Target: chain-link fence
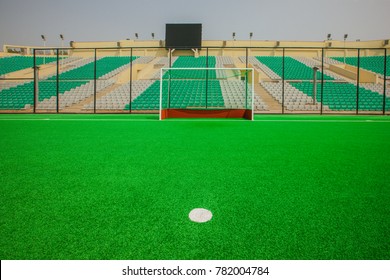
127,80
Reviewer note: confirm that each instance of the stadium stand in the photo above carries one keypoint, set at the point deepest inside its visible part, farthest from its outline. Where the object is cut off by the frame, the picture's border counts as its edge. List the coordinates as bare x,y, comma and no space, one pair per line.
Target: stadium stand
104,65
294,70
313,63
184,93
328,60
120,94
191,92
340,93
223,61
342,96
114,89
372,63
294,99
23,95
75,84
73,95
233,100
120,97
15,63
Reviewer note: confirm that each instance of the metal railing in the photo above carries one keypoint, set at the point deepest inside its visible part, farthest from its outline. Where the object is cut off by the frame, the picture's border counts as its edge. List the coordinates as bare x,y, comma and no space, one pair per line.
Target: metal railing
110,80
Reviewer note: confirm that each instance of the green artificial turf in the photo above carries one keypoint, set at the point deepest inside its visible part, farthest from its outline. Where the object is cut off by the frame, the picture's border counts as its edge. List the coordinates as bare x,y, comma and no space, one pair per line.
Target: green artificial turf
121,187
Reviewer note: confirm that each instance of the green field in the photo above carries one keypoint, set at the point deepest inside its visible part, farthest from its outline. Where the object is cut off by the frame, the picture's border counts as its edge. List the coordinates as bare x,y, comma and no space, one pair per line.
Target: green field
121,187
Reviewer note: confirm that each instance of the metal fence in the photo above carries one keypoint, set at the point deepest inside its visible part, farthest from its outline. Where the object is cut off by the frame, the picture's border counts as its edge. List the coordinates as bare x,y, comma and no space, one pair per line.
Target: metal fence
288,80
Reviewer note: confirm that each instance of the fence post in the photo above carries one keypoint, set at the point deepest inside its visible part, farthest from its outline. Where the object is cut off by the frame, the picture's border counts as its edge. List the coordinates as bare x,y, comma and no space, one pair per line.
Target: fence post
357,83
36,86
207,74
131,78
384,83
322,80
246,57
283,81
58,82
94,84
315,69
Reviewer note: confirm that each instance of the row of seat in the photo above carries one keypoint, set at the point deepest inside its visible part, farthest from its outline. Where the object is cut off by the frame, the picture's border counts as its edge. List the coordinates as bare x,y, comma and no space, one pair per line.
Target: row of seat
292,70
314,63
76,81
15,63
192,86
336,94
375,64
24,94
103,66
75,95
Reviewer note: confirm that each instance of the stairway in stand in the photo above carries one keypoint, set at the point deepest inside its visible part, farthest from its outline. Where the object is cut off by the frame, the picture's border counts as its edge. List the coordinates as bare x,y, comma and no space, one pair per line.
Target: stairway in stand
272,104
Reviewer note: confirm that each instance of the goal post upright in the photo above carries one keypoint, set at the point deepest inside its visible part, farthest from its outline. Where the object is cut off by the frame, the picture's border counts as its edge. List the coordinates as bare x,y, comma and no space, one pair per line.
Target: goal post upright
225,96
253,94
161,84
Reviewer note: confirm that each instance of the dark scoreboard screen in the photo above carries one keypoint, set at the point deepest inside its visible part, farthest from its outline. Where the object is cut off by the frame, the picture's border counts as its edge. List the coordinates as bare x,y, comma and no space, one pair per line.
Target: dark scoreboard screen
183,36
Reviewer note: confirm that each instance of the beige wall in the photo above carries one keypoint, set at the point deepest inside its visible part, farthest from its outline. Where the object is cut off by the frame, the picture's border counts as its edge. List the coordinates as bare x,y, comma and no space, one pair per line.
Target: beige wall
350,72
227,48
3,54
231,43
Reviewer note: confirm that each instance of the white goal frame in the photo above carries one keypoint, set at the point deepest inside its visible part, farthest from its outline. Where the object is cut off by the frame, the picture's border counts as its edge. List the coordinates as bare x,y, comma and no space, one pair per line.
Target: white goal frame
252,70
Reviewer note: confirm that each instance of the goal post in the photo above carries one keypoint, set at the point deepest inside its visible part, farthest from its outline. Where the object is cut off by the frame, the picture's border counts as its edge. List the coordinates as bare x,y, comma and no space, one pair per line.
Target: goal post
206,93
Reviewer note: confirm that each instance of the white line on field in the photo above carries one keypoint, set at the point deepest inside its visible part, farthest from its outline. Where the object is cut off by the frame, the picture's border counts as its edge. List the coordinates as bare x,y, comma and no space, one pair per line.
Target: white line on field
81,120
335,121
195,120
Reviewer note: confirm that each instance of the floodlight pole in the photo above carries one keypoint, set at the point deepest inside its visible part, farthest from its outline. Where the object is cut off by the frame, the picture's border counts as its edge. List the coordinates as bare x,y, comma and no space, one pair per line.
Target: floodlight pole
345,51
58,82
315,69
62,50
357,83
44,52
36,85
44,46
131,79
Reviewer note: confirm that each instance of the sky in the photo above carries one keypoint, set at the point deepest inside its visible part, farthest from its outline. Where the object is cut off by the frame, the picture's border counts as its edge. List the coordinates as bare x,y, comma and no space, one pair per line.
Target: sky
23,21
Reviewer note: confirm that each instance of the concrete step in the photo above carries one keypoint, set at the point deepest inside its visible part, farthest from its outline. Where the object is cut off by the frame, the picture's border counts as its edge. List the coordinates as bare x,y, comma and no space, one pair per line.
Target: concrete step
272,104
79,106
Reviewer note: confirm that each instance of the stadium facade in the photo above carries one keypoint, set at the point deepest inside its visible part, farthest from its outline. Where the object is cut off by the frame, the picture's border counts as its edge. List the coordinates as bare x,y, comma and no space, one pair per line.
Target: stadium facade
340,77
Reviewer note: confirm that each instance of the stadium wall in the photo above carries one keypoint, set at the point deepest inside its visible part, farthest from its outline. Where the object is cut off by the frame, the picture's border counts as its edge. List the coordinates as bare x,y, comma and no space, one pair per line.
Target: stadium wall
218,47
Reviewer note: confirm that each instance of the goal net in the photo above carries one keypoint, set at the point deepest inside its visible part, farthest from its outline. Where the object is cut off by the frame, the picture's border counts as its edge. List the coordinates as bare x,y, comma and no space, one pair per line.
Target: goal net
206,93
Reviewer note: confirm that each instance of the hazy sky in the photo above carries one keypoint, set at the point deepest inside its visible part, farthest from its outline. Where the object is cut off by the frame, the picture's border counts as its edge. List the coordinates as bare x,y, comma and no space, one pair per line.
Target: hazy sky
23,21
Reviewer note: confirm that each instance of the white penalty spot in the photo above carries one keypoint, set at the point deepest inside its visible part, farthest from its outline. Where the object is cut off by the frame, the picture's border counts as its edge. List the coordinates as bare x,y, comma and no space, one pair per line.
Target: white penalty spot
200,215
